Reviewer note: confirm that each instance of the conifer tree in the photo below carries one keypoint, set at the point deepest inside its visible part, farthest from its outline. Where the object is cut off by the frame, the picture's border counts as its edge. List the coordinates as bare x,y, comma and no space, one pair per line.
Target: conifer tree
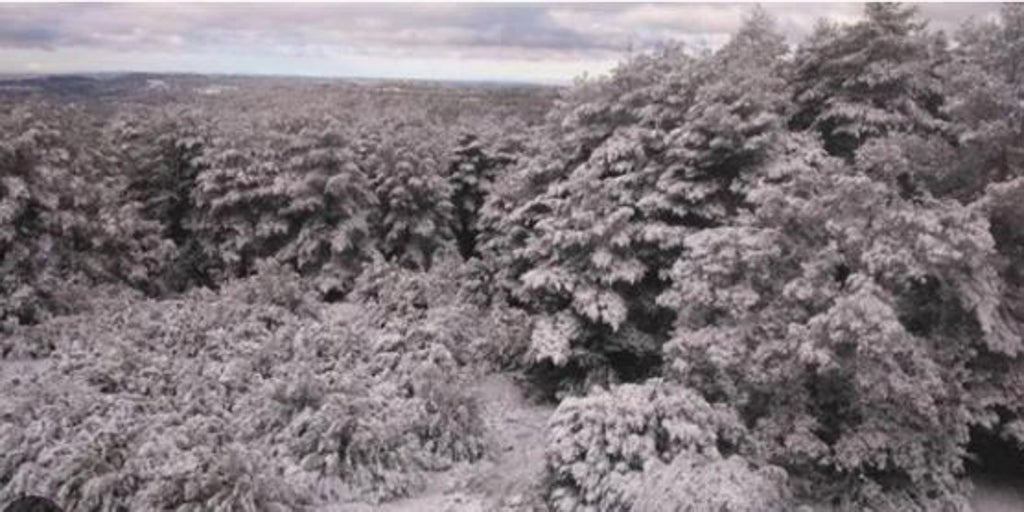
875,77
659,150
414,209
840,320
328,210
161,161
50,195
984,88
471,173
241,193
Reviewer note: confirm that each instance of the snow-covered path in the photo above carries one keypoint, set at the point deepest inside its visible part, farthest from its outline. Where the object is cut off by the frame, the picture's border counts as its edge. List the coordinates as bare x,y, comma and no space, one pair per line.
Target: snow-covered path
506,480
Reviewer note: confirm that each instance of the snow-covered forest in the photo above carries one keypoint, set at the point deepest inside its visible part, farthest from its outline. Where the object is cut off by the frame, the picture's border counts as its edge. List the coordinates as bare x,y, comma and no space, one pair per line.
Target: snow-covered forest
760,278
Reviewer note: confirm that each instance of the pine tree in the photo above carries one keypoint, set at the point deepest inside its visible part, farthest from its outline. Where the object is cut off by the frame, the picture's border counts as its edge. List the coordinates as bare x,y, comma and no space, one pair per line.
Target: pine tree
841,320
328,210
161,160
869,79
661,149
471,173
414,210
51,177
579,244
240,193
985,86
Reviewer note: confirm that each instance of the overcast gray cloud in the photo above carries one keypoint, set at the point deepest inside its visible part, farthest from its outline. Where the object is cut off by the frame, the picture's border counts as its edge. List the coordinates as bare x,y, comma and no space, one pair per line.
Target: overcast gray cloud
528,41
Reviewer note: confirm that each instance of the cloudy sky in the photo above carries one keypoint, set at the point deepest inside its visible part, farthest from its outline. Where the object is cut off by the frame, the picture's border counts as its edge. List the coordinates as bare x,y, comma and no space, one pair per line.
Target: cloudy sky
536,42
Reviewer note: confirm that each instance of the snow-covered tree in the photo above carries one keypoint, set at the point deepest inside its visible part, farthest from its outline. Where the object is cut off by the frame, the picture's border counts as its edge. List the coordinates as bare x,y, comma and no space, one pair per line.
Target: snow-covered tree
581,244
328,209
414,208
241,193
984,85
660,149
841,319
471,173
52,190
160,156
872,78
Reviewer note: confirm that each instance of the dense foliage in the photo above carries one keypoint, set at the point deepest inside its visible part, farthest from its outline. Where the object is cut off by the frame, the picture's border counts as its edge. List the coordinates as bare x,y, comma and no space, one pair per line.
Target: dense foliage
231,401
754,278
602,445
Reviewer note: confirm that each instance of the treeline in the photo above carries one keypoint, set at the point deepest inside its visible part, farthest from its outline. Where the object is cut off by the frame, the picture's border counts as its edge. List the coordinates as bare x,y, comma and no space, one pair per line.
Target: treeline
164,199
795,272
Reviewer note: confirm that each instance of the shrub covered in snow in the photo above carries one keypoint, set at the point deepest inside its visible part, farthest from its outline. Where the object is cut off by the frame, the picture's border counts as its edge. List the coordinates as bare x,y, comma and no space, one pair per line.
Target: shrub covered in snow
601,446
705,484
240,403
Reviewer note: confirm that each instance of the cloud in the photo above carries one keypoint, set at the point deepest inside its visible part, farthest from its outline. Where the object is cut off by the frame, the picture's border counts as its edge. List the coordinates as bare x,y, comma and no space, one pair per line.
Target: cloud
27,37
417,26
545,34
